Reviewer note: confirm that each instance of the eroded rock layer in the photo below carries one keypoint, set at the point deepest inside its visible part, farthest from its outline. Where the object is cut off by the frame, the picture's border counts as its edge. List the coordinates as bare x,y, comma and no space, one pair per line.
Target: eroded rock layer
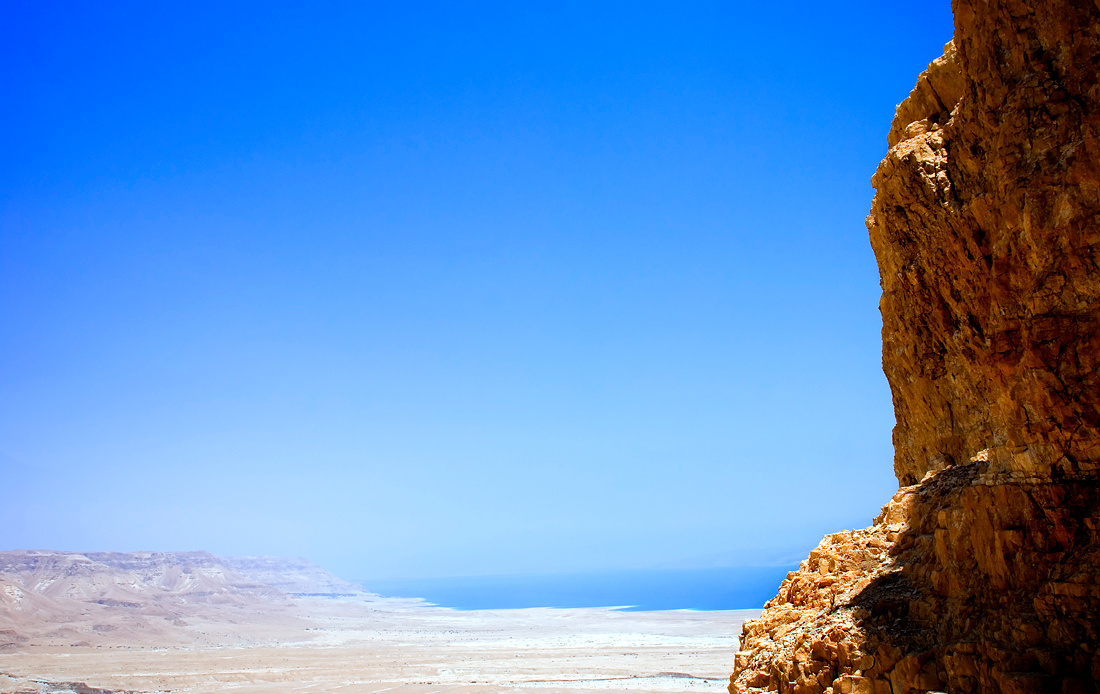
983,572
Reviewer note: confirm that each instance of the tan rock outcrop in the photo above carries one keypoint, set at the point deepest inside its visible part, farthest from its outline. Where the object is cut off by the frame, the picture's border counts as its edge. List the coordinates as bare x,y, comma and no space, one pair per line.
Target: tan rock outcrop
983,572
963,584
986,233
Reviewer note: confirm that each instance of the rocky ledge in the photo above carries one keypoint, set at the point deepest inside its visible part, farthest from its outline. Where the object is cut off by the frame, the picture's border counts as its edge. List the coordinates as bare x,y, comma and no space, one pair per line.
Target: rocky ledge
964,583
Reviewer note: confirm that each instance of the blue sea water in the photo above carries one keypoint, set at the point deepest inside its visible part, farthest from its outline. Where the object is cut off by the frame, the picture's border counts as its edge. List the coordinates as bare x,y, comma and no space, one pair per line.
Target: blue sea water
726,588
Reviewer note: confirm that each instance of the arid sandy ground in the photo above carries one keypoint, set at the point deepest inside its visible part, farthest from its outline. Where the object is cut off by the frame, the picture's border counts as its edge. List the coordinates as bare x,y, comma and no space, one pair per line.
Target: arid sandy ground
354,646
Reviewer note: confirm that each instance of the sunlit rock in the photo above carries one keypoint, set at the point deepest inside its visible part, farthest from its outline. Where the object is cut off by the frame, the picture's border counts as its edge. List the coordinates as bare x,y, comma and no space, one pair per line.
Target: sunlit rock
983,571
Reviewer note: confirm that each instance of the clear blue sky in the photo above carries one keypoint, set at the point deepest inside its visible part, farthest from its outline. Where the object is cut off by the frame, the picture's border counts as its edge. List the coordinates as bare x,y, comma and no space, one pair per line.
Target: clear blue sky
418,289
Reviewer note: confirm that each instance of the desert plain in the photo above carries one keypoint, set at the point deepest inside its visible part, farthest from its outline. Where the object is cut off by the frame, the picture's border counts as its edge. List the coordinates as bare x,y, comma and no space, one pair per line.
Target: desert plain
358,647
109,623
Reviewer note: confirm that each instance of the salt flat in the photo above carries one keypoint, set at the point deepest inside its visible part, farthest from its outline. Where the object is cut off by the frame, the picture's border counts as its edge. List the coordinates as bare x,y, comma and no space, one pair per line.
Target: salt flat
367,645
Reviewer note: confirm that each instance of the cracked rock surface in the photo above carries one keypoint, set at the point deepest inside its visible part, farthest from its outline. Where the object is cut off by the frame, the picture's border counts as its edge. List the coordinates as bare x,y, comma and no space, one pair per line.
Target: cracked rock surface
983,572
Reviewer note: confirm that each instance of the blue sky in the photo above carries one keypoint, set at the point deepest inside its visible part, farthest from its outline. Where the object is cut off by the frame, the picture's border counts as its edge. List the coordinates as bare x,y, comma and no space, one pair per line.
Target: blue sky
429,289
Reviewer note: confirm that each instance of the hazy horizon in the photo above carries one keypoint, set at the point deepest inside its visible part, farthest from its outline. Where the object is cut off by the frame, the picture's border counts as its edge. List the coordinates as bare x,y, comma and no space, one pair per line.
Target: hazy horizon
422,291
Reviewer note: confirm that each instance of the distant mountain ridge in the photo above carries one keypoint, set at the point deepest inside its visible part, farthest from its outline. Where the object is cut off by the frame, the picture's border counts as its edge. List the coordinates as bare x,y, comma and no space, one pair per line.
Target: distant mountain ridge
292,575
195,573
54,594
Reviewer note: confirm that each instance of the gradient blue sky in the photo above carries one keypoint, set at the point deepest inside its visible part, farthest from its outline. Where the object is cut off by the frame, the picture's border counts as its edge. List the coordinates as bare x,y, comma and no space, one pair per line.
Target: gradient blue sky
428,289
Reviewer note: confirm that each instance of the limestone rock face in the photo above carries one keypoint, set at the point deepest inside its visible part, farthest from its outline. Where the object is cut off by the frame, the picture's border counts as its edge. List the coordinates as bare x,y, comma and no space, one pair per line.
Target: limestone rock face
983,573
987,237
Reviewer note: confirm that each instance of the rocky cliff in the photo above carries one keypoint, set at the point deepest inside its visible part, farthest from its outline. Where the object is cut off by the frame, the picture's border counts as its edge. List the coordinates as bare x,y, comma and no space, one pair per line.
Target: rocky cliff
983,572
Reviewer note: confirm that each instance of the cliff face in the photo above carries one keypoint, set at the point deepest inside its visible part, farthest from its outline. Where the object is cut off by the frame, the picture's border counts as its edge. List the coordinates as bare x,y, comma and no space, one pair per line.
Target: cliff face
983,572
985,229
